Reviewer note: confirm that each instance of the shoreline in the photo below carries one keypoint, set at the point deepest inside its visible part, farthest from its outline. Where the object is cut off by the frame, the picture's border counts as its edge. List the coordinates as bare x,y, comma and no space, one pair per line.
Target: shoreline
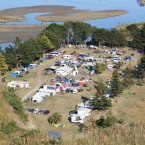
8,33
57,13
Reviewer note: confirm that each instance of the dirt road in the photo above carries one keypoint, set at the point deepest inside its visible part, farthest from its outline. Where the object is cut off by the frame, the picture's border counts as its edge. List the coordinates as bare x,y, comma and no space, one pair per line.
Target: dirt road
36,87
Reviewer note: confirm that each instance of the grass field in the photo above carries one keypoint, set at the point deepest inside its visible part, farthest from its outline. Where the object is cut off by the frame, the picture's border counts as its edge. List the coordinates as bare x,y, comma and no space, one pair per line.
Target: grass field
128,106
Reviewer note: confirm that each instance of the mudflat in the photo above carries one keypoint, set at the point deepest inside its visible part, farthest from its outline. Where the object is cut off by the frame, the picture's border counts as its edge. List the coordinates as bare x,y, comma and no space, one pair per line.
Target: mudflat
8,33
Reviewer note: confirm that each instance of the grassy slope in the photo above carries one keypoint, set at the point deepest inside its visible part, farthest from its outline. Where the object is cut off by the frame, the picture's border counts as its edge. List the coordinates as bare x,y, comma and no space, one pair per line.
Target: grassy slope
130,105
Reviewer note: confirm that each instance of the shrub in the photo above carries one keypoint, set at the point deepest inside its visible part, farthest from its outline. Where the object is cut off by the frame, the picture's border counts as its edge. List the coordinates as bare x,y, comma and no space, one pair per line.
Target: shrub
99,68
29,133
106,122
16,103
55,118
9,127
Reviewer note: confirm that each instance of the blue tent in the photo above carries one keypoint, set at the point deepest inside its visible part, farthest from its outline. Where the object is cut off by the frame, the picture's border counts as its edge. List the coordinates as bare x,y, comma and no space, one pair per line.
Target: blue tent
14,74
127,58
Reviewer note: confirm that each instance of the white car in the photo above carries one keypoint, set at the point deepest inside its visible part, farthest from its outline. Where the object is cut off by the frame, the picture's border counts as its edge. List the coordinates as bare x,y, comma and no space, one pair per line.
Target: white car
67,56
55,53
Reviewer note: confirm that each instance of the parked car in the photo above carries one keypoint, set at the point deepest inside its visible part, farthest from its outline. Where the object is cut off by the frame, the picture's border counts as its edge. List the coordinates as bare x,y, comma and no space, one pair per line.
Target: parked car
96,51
19,76
49,57
46,112
79,89
55,53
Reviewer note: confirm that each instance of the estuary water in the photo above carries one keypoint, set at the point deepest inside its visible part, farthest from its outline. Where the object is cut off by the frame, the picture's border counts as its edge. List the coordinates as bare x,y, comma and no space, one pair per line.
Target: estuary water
134,7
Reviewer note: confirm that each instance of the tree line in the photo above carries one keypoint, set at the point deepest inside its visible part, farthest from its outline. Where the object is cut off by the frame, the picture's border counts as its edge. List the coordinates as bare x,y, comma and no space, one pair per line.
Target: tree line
54,36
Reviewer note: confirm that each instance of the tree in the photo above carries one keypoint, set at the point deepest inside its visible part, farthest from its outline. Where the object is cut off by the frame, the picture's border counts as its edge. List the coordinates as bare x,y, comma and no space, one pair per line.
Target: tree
79,31
102,103
55,118
99,68
100,87
128,75
117,38
140,71
134,36
57,34
45,42
100,36
3,65
116,84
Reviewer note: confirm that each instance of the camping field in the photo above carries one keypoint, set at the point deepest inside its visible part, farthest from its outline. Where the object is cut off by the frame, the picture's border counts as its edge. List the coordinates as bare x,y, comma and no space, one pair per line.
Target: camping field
129,106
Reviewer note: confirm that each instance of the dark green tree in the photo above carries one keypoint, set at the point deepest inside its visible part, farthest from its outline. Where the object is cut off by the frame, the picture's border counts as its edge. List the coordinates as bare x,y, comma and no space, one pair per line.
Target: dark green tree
100,87
134,36
140,71
100,36
99,68
128,75
116,84
102,103
117,38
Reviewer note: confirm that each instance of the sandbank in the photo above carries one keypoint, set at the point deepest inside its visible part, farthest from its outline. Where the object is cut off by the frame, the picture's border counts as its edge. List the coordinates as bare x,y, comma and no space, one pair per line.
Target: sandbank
59,13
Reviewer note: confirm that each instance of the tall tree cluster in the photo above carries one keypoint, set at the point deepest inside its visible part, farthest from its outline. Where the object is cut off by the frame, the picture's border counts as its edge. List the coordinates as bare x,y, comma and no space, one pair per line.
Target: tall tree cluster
3,65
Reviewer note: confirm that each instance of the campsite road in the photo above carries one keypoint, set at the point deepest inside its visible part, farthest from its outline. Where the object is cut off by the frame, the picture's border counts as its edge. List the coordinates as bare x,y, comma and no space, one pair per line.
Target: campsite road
26,96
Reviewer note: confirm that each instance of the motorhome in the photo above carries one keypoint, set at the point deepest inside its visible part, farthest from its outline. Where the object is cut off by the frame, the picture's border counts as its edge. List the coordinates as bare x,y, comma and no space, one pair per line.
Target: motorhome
18,84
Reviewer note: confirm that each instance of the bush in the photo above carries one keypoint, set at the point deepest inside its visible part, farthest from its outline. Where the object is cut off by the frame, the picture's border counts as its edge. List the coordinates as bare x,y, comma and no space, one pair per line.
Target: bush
9,127
106,122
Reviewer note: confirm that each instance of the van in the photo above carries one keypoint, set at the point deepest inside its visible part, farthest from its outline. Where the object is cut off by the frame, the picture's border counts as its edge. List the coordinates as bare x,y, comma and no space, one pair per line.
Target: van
55,53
